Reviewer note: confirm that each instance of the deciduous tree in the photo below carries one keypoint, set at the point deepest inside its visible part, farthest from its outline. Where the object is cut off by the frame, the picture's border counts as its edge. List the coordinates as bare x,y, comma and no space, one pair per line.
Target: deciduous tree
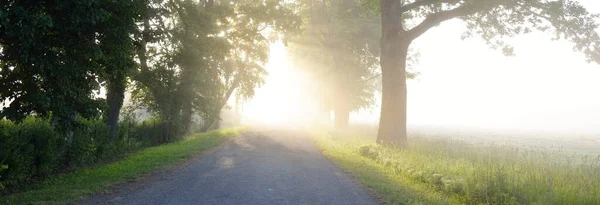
492,20
57,54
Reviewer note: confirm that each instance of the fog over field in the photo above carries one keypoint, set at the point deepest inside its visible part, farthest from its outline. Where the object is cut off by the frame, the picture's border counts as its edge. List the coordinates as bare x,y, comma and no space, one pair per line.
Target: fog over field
545,95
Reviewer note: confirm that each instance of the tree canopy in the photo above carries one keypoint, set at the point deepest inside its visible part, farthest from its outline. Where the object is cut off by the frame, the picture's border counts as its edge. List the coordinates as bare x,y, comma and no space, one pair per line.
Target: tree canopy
179,57
491,20
185,58
57,54
194,60
339,49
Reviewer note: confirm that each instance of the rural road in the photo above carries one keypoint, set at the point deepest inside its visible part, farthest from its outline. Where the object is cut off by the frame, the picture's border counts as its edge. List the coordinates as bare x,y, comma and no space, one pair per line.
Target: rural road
261,167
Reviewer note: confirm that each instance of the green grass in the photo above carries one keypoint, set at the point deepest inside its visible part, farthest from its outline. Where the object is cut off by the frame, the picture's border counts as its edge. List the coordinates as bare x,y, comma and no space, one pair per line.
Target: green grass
69,188
434,171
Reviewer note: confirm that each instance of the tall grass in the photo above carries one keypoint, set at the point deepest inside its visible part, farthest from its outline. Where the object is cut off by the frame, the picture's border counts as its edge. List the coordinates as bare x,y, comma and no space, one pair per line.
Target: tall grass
487,174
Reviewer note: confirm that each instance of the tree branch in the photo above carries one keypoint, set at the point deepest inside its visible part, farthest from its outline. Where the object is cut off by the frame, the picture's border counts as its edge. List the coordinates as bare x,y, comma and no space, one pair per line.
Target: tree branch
209,3
404,8
439,17
181,13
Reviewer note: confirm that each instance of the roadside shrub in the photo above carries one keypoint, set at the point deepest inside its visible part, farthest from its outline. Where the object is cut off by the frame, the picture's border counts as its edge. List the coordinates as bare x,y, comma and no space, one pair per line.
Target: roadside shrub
126,140
2,168
156,131
47,145
89,141
91,144
9,149
28,150
33,149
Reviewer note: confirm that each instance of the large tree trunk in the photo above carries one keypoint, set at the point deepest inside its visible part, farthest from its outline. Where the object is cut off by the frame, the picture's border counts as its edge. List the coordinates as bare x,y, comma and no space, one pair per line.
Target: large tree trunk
342,116
114,98
186,116
208,124
212,123
217,115
394,50
187,94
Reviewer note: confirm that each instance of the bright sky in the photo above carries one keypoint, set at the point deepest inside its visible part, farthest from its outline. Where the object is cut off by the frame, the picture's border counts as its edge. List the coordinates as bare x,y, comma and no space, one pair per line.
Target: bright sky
466,84
284,99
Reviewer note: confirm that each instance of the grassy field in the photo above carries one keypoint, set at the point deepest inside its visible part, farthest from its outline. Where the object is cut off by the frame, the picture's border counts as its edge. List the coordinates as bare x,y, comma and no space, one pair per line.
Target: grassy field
438,171
71,187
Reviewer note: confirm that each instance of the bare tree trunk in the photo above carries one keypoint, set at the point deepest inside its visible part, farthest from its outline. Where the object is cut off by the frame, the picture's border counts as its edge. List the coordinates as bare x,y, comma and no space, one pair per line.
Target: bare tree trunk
342,116
187,95
212,123
207,125
216,116
114,98
186,115
394,51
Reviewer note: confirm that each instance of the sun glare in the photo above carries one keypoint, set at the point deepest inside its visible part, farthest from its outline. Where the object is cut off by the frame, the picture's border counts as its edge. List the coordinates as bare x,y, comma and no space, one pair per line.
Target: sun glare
283,99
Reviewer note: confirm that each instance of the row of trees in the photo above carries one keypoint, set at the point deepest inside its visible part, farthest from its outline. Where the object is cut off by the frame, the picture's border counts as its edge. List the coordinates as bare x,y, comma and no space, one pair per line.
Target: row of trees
339,46
351,43
179,58
184,57
66,66
339,49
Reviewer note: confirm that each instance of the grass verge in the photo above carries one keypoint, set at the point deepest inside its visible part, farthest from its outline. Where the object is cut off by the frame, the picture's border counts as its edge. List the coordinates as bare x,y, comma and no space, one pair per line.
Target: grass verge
434,171
70,187
384,183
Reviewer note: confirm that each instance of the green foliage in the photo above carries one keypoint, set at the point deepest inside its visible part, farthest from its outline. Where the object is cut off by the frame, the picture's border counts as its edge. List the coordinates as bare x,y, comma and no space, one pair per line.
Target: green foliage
33,149
248,27
89,142
71,187
385,183
249,44
339,48
54,53
495,20
118,55
155,131
2,168
567,20
492,20
56,56
204,53
30,149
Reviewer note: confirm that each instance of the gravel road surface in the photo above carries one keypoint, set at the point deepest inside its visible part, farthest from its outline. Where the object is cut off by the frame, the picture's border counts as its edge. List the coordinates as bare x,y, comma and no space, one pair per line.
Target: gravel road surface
261,167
